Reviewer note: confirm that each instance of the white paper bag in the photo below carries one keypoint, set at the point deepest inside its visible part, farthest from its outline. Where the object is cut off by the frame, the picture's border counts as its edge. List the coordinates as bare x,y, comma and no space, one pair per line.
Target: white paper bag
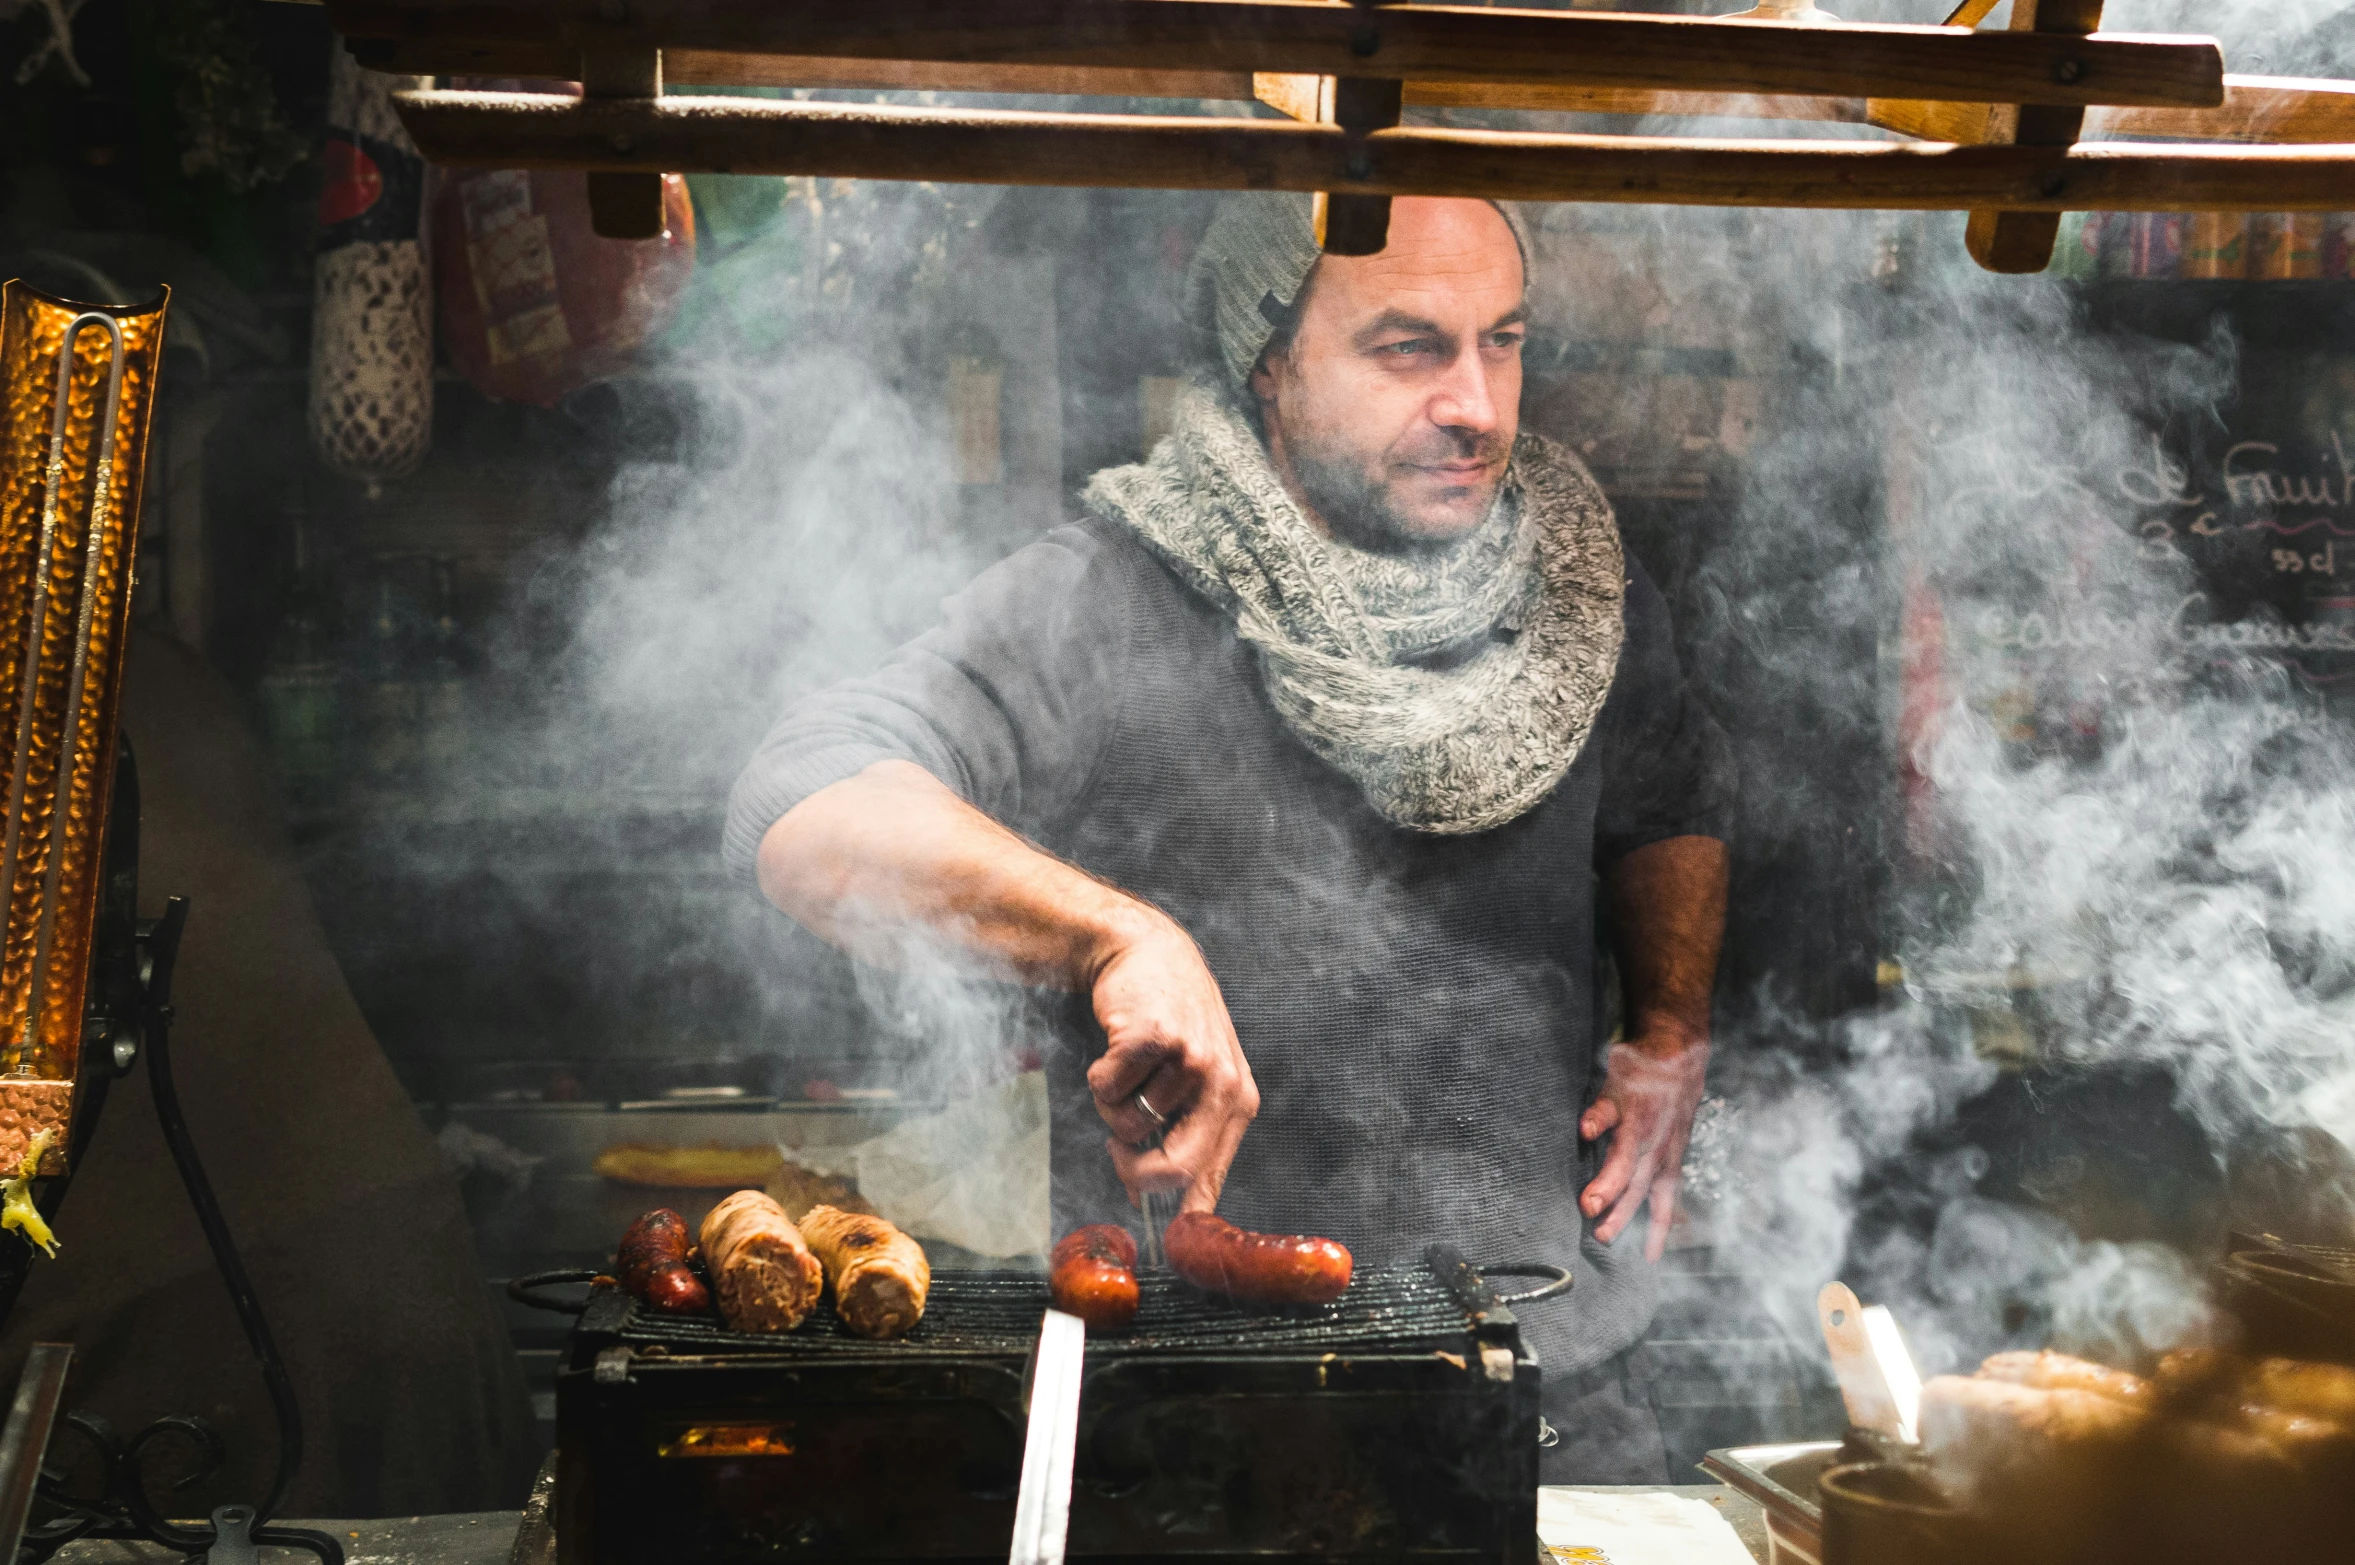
974,1174
1583,1527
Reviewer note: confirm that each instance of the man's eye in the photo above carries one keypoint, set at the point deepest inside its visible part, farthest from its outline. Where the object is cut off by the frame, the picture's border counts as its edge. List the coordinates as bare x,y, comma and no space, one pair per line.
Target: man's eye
1402,349
1505,339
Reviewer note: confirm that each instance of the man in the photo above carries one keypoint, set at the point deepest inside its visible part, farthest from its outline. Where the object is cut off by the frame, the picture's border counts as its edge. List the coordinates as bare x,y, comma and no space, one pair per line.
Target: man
1294,759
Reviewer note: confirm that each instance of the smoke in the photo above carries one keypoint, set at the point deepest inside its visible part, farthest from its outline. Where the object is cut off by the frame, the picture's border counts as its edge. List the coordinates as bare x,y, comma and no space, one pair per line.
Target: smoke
2125,855
1961,553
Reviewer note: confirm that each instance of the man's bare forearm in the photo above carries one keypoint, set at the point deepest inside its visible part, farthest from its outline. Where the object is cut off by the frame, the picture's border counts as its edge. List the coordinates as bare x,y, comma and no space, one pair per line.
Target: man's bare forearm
863,860
870,859
1668,909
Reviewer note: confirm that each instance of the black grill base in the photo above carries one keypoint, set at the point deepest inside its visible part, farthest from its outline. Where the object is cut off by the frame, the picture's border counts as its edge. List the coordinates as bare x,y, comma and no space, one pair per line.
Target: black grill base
1371,1429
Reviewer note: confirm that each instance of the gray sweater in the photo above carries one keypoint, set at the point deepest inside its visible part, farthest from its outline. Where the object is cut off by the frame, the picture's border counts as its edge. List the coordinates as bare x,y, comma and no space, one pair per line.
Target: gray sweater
1419,1011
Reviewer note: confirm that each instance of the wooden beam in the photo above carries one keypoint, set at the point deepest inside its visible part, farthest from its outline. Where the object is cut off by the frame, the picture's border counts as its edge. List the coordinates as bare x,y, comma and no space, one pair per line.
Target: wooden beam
1405,42
1625,100
709,68
765,136
2022,241
2256,108
2284,109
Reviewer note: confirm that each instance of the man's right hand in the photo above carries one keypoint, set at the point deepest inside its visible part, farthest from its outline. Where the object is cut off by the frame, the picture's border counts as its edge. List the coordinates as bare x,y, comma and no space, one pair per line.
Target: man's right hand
1169,1038
864,860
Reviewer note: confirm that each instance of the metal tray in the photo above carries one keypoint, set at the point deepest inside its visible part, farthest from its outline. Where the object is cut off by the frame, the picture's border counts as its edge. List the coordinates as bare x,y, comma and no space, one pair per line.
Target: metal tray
1781,1478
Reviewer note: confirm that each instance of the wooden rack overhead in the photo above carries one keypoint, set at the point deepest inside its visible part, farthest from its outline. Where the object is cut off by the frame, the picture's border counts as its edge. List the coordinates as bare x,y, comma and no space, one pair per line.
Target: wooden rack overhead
2249,144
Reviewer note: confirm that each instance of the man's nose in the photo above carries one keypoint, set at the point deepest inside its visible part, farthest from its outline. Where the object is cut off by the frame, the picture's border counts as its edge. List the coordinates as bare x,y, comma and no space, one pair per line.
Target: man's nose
1463,399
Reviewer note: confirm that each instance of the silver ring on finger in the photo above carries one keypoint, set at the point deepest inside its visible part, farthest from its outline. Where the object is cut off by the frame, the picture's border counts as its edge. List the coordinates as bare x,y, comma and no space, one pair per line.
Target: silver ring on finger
1160,1122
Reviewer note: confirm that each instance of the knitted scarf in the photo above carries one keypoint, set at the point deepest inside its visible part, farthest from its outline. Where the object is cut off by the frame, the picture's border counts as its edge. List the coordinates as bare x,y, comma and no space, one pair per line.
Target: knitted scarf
1455,686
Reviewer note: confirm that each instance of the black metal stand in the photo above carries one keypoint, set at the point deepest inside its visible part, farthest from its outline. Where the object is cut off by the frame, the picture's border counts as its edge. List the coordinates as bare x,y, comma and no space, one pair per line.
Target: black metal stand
124,1509
131,1013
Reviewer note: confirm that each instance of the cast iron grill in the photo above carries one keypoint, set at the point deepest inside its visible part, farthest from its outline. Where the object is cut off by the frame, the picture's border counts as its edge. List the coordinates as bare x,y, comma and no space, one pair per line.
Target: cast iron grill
1398,1423
997,1313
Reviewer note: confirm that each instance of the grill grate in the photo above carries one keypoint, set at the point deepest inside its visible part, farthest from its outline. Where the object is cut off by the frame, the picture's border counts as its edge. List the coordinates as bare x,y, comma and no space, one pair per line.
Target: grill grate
997,1313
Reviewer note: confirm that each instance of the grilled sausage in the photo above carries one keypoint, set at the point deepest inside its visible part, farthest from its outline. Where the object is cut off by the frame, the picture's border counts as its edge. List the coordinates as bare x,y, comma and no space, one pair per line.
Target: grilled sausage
880,1275
1093,1275
1212,1253
2049,1371
760,1265
652,1263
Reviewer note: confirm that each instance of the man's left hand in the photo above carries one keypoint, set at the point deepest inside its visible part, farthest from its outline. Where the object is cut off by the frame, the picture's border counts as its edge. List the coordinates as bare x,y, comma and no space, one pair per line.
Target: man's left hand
1651,1088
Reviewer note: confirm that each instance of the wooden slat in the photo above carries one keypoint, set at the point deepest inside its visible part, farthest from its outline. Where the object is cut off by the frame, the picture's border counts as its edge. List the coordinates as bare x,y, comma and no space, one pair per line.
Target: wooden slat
1307,98
1420,43
1630,100
2256,108
2280,109
764,136
709,68
1970,124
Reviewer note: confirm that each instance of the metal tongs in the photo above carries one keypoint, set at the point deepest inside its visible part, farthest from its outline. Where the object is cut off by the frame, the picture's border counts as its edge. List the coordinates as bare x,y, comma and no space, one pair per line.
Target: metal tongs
1042,1503
1160,1205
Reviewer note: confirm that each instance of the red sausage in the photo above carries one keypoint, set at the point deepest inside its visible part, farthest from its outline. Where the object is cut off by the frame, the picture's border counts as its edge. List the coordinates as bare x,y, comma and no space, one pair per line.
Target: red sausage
653,1265
1094,1276
1212,1253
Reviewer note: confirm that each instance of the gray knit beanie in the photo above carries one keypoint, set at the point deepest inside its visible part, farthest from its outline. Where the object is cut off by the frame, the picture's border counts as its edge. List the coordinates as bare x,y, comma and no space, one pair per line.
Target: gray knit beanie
1253,264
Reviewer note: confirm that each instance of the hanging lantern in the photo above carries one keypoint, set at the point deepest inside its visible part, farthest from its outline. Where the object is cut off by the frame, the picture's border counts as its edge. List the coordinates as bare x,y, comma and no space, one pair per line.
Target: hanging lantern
371,410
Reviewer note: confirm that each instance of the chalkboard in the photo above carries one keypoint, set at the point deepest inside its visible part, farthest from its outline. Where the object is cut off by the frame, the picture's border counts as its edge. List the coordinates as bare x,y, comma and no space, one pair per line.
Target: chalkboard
2260,505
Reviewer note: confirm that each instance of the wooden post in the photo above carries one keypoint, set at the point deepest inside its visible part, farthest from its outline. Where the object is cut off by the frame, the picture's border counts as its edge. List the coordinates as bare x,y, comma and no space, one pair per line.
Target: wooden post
1359,224
2023,241
623,206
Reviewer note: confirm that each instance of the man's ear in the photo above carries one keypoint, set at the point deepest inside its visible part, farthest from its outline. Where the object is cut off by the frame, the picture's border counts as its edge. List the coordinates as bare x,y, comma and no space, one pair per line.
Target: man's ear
1263,382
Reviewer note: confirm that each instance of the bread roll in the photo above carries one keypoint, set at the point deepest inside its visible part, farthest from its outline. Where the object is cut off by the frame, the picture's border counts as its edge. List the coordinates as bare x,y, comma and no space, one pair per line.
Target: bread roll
880,1275
761,1267
2189,1376
2050,1371
2002,1414
2324,1391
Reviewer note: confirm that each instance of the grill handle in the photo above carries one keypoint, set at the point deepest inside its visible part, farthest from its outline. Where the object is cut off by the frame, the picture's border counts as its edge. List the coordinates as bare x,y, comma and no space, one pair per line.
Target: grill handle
1557,1281
1491,1313
525,1290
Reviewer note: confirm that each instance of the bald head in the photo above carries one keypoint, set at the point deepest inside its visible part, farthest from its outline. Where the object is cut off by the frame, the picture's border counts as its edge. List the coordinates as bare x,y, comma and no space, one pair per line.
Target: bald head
1391,411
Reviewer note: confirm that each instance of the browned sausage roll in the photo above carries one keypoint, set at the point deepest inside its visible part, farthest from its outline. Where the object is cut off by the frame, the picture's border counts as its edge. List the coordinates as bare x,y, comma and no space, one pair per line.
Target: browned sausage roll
2324,1391
760,1264
1981,1427
880,1275
2049,1371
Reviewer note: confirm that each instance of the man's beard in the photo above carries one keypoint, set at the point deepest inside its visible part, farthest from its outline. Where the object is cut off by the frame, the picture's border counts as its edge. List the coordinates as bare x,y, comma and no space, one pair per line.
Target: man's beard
1350,498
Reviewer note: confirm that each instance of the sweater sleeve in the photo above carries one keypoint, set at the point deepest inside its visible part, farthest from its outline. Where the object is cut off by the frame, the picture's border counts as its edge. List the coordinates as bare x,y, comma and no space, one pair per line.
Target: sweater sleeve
1666,768
1008,700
